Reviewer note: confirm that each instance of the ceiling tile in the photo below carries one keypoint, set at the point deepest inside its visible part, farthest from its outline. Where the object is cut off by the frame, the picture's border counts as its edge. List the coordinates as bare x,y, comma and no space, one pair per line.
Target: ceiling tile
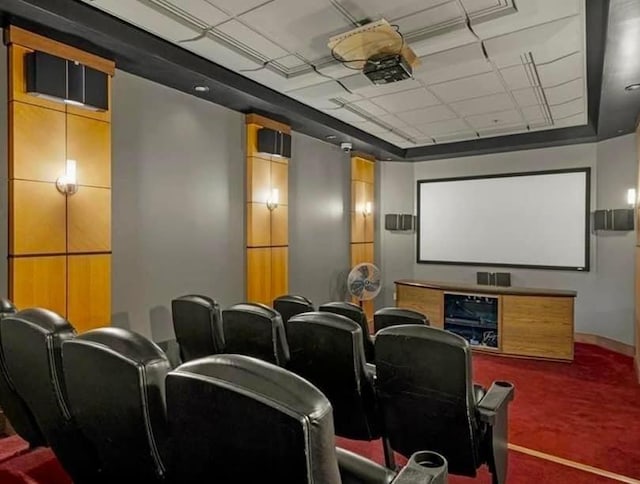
567,109
457,35
236,7
526,97
304,27
384,8
372,127
565,92
395,139
201,10
254,41
575,120
392,120
444,127
326,89
483,121
427,115
356,82
533,113
369,107
463,61
373,90
468,87
346,116
291,62
406,100
155,19
221,53
515,77
486,104
561,70
502,130
463,135
433,16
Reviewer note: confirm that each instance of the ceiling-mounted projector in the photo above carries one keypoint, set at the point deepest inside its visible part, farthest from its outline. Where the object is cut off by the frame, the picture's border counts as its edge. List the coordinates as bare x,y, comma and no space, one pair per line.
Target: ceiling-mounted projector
378,50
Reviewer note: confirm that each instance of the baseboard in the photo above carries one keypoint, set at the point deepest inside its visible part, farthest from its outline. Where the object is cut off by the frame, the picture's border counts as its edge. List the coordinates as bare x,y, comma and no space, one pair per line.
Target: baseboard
638,367
607,343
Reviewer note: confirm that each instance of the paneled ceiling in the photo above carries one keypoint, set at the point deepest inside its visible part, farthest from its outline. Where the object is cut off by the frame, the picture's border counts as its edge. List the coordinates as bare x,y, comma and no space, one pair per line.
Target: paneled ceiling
488,67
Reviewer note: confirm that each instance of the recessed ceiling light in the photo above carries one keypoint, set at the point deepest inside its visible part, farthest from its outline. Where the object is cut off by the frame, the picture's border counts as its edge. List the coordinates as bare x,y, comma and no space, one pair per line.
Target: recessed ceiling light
330,136
201,88
632,87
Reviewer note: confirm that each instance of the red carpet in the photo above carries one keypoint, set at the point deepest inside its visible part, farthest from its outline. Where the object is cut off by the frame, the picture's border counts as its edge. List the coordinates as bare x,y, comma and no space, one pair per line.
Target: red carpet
587,412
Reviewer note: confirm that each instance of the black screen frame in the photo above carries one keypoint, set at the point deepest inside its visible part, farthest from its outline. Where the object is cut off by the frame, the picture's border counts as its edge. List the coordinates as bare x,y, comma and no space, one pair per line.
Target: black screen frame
587,234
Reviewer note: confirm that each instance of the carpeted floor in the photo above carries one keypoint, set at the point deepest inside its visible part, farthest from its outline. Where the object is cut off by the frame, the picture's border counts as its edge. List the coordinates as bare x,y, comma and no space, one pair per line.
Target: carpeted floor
586,412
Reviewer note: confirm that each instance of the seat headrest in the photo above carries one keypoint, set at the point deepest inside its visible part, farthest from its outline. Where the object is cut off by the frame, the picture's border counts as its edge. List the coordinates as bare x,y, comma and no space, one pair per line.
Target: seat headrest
401,313
7,307
205,301
255,308
426,333
332,320
273,385
43,320
294,298
125,343
344,305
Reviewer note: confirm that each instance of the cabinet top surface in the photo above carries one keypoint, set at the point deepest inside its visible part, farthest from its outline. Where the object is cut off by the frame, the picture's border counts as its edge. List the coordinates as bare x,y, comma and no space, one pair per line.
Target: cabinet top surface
459,287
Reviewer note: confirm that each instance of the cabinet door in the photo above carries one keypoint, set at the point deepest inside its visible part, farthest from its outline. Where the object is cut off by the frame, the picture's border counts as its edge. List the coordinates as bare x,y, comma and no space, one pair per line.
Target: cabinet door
538,326
426,301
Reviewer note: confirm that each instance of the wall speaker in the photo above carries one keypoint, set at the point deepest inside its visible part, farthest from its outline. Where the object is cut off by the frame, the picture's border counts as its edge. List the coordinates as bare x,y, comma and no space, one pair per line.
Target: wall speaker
483,278
503,279
617,219
392,221
62,80
274,142
407,222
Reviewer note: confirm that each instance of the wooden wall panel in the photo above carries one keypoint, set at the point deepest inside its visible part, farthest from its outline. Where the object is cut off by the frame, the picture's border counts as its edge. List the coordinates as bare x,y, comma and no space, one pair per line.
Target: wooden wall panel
36,143
362,224
89,220
259,278
89,143
37,218
267,231
39,281
425,301
279,271
43,134
89,291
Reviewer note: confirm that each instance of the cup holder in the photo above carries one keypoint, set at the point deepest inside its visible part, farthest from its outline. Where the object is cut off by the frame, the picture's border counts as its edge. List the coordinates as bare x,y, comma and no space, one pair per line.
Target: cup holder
427,459
503,384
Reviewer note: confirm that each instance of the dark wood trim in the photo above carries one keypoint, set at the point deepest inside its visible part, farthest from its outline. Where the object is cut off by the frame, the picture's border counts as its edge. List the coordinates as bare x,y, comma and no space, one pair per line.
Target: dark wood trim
498,290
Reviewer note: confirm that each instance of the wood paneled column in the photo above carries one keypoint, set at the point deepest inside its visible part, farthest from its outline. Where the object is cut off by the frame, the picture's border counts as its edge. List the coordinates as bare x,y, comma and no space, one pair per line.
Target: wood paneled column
267,231
363,209
59,245
637,278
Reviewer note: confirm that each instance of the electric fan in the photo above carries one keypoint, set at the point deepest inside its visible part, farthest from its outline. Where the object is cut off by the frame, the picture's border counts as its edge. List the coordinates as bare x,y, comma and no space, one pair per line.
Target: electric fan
363,281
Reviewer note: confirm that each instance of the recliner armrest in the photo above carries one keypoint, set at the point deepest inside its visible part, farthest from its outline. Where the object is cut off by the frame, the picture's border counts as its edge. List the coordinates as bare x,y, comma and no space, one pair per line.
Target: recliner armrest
495,400
371,371
424,468
355,469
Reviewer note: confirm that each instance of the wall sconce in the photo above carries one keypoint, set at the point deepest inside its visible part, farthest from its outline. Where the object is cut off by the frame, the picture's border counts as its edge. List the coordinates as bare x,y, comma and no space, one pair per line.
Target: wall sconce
367,209
272,201
68,183
631,197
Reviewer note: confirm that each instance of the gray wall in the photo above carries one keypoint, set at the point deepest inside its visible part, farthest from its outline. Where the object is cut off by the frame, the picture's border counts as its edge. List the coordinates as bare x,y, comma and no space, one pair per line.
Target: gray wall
605,294
4,174
178,203
319,222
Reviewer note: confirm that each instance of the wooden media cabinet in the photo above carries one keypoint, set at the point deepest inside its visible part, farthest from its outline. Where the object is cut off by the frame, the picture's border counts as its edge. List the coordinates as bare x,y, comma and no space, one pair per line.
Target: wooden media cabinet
525,322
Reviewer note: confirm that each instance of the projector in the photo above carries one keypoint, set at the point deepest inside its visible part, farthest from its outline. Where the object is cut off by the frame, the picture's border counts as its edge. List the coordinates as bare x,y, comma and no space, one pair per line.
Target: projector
385,69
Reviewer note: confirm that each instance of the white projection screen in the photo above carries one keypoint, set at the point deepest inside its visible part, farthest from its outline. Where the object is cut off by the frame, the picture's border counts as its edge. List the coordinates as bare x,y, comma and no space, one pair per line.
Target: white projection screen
538,220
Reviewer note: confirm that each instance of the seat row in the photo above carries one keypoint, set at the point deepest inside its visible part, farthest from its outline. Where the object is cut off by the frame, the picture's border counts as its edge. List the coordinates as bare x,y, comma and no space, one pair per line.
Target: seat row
416,392
112,409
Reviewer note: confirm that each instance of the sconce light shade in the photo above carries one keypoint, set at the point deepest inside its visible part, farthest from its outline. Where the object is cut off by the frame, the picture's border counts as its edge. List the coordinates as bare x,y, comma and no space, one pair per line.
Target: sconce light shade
68,183
631,196
274,199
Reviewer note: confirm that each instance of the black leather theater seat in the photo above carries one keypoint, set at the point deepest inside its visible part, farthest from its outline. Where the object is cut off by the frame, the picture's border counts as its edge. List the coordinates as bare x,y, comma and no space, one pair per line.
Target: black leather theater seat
428,400
12,404
240,419
387,317
290,305
197,323
31,341
354,313
255,330
115,383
